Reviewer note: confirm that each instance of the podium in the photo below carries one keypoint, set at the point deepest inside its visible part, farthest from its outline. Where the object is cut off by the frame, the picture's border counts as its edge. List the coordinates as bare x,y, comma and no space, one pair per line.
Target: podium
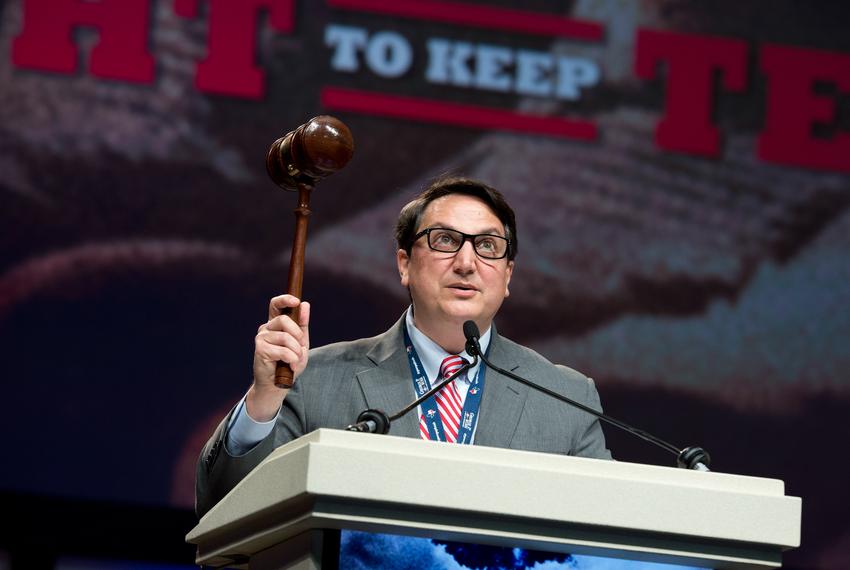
282,515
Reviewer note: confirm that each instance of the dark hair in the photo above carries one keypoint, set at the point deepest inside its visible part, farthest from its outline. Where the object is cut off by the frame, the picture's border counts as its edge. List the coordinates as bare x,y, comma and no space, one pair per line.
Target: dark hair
411,214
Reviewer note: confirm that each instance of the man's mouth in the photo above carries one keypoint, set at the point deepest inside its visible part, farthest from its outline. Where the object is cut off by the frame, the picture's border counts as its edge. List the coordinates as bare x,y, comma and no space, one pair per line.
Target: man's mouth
462,287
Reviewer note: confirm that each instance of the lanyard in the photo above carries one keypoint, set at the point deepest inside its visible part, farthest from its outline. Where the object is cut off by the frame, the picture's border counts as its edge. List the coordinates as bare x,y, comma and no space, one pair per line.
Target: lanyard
469,414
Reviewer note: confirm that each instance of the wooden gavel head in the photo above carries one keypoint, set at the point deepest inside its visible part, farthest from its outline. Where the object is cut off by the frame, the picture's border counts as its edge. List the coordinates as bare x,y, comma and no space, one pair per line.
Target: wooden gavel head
316,149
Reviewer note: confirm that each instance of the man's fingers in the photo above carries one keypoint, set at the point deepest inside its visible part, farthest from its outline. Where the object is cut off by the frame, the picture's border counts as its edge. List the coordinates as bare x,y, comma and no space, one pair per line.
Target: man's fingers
274,338
283,323
304,315
272,353
281,302
304,323
282,338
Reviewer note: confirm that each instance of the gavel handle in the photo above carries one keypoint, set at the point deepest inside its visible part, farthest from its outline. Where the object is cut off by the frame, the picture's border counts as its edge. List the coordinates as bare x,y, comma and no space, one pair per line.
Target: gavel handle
283,375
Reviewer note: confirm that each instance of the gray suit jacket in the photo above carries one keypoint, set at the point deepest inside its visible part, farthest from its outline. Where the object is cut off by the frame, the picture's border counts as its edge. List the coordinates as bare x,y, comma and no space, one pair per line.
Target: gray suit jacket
343,379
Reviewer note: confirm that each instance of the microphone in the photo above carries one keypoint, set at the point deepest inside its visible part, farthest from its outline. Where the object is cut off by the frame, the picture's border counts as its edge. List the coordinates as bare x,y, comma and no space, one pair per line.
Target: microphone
371,421
377,421
470,332
695,458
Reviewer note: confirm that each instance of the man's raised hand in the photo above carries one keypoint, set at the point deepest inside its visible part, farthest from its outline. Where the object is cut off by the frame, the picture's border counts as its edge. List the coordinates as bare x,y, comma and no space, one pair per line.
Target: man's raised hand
278,339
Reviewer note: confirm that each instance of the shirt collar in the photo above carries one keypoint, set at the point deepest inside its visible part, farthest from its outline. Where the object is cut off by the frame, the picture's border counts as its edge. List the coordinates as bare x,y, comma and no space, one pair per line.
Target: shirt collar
432,354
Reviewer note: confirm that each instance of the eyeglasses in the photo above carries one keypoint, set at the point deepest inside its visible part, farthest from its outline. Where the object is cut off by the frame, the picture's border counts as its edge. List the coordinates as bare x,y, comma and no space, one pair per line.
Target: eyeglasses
488,246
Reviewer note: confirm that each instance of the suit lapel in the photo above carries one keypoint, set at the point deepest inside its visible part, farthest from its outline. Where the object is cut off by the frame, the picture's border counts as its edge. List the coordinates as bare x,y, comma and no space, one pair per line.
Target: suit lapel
503,399
388,386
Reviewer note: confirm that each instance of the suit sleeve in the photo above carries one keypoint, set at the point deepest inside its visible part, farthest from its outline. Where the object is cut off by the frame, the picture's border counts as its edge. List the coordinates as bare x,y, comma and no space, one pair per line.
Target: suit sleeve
218,470
590,442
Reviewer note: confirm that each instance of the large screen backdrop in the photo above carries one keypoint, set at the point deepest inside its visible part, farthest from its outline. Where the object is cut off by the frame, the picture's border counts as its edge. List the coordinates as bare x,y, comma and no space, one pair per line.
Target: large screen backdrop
679,172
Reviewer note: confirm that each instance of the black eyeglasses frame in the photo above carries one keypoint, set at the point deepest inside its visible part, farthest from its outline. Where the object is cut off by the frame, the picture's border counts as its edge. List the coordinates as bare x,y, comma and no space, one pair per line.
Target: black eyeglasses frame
466,237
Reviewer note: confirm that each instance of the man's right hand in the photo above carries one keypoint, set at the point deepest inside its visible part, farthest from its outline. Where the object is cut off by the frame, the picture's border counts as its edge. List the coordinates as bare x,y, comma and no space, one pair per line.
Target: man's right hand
279,339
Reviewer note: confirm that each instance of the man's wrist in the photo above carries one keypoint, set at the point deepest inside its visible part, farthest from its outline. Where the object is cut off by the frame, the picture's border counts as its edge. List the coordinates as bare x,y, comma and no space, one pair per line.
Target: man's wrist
243,432
262,403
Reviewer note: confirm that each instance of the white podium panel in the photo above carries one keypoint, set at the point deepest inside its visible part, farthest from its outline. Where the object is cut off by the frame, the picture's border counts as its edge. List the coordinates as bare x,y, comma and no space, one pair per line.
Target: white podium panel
340,480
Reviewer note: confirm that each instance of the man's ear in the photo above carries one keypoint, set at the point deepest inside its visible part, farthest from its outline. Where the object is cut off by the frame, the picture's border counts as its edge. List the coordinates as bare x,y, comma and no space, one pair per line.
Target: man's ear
403,261
509,271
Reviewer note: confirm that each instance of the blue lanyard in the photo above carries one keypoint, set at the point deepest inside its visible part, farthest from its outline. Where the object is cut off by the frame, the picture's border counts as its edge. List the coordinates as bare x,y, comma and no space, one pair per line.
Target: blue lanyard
469,414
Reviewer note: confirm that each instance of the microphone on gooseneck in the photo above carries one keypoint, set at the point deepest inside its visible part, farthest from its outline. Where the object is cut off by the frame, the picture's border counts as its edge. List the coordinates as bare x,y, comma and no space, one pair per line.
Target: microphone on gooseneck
377,421
691,457
371,421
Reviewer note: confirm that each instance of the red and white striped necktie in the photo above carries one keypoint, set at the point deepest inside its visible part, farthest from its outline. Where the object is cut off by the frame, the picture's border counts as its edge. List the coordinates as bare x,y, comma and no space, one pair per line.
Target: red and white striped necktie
449,402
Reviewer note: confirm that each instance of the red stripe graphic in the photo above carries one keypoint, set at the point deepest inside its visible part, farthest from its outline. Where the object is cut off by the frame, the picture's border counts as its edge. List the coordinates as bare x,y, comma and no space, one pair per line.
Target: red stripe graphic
423,427
450,364
428,110
479,16
452,368
448,402
448,408
454,400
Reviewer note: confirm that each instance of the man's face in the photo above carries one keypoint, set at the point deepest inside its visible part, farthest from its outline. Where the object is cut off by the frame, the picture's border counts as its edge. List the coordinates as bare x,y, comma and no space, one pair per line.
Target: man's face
451,288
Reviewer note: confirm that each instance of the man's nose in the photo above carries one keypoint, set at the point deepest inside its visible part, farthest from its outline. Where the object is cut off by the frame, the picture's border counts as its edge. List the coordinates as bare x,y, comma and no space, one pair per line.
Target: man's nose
465,258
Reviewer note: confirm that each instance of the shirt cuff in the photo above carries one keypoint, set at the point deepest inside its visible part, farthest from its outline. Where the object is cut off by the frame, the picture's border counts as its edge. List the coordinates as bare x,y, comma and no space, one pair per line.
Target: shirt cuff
244,432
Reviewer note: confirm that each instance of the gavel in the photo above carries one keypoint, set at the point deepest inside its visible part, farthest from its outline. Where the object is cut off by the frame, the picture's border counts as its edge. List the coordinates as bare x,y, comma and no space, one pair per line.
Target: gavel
297,162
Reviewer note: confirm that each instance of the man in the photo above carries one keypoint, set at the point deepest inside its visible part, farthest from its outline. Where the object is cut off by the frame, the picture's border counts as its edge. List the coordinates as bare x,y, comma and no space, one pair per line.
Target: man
456,247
